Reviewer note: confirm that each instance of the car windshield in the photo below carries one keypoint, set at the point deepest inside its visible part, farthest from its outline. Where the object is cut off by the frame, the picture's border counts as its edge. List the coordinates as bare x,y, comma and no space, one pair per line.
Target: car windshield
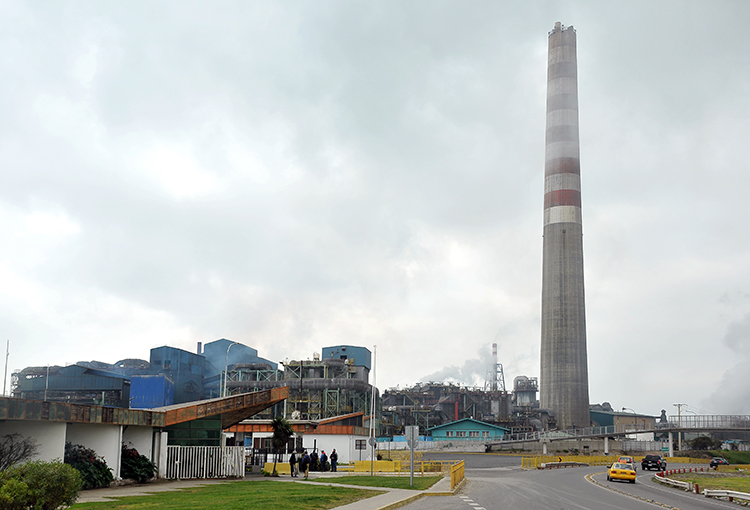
622,466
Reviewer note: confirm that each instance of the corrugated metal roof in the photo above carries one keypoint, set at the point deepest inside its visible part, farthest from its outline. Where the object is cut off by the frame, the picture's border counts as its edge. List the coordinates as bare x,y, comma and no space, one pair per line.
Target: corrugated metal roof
232,409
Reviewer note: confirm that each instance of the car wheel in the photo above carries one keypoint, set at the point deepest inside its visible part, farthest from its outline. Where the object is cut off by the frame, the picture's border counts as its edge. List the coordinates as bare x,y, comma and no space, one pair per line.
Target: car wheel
632,481
608,478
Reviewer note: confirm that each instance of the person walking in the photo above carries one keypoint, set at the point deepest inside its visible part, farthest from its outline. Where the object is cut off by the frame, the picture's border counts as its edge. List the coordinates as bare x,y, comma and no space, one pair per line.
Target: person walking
334,459
304,464
293,465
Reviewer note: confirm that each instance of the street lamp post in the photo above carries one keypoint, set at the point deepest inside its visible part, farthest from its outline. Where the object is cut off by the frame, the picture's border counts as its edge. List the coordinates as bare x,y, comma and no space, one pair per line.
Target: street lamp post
226,367
679,425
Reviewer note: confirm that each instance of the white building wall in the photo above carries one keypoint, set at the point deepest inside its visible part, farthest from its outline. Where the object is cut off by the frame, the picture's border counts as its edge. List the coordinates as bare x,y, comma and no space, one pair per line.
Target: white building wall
141,438
344,445
105,440
49,436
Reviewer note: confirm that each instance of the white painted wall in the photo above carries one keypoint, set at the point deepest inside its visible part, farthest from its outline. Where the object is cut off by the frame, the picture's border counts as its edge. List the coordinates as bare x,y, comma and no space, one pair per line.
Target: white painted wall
344,445
141,438
50,436
105,440
160,453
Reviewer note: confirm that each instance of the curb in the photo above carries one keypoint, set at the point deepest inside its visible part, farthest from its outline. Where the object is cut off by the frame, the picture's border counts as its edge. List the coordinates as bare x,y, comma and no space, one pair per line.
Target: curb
421,495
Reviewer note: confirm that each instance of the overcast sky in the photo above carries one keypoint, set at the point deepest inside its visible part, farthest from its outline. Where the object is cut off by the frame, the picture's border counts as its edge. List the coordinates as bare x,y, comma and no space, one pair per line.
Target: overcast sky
294,175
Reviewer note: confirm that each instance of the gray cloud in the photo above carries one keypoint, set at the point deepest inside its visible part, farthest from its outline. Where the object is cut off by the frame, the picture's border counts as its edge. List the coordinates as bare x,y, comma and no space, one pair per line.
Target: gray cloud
295,175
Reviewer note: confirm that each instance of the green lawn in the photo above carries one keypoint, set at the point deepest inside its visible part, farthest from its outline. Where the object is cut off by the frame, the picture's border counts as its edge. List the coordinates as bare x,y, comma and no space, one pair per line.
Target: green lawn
393,482
727,481
262,494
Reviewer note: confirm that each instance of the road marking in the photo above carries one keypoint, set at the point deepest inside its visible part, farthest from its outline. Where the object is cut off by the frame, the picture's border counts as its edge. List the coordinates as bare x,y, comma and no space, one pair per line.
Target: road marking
590,478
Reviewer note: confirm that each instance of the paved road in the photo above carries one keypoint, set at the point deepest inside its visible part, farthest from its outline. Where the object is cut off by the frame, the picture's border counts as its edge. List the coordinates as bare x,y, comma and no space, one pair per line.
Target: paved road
496,482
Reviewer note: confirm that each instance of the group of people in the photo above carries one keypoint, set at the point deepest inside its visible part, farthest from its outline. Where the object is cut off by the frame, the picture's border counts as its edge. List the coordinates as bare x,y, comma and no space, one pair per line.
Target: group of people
311,461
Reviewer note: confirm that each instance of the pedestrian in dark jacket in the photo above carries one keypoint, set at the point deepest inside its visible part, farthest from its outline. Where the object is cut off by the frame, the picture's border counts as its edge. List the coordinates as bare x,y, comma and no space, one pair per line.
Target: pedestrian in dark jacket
293,465
334,459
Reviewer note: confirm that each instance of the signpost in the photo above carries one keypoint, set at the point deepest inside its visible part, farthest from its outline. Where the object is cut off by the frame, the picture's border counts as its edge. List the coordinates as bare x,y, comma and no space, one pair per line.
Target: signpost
372,441
412,439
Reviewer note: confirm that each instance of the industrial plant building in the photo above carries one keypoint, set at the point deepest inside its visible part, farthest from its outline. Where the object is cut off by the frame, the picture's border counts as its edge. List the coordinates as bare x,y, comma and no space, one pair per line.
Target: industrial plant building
428,405
325,387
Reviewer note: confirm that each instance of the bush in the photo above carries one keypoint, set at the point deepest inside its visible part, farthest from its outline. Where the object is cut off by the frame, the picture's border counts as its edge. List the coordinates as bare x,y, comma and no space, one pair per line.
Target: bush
93,469
39,485
136,466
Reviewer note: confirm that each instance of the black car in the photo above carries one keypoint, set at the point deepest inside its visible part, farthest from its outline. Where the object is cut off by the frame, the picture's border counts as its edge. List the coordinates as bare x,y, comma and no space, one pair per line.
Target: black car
717,461
653,461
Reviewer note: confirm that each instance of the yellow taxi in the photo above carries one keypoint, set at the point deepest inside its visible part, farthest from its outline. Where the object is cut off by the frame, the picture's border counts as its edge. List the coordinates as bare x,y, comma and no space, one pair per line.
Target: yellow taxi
621,471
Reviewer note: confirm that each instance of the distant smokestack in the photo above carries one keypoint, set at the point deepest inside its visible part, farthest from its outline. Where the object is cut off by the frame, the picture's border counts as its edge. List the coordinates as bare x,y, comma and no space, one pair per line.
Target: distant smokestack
564,386
200,348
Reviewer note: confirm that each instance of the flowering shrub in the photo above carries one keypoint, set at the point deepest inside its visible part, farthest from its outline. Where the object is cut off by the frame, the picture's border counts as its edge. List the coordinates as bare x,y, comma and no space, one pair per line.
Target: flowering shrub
93,468
136,466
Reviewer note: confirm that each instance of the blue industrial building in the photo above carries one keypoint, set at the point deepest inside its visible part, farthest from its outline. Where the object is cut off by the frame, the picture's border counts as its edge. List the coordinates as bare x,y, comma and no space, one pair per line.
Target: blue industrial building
150,391
467,429
329,385
186,369
358,356
77,384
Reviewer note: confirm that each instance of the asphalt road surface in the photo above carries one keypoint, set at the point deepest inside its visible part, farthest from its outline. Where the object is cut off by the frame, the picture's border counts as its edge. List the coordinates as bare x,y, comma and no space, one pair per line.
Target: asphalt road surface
498,482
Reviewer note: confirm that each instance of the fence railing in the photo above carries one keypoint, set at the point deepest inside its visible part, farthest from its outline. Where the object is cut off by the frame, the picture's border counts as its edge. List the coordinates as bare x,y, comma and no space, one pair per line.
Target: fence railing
188,462
732,422
457,474
400,467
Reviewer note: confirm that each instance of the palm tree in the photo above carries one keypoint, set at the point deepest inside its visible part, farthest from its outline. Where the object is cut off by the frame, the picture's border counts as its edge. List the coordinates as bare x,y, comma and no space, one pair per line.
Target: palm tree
282,431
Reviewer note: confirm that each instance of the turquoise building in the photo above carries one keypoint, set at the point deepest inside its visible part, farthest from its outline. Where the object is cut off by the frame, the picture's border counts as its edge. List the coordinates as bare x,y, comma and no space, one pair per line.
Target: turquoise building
467,429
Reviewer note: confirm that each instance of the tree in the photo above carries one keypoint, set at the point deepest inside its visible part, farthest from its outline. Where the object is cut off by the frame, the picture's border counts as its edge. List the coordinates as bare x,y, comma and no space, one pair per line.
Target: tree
282,431
16,448
703,443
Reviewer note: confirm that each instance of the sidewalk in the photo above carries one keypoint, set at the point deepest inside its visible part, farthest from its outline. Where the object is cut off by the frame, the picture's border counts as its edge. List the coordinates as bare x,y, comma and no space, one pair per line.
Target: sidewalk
392,498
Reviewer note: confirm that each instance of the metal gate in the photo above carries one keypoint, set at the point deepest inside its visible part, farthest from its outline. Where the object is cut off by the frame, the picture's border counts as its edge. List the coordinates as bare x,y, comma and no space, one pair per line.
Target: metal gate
186,462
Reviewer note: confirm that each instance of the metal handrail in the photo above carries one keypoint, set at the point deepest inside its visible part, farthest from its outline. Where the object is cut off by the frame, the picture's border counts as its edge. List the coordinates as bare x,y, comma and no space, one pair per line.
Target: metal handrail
726,494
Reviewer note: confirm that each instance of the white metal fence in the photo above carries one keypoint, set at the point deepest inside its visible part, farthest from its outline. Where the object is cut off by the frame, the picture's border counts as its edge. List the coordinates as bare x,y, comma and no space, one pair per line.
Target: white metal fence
185,462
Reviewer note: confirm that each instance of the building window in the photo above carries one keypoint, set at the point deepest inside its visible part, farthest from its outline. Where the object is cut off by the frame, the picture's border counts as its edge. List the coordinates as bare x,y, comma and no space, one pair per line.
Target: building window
485,433
460,433
473,433
448,433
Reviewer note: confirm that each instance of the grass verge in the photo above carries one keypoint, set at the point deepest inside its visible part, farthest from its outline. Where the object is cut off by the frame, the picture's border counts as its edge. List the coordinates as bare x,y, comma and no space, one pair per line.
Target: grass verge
392,482
739,482
266,495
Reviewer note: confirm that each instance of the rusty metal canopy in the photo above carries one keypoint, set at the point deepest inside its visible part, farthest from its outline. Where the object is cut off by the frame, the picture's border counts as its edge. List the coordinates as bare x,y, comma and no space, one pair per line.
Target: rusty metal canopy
232,409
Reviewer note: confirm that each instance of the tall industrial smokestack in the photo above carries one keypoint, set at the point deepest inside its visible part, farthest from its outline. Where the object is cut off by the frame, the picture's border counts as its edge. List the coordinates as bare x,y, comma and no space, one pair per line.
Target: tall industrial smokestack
564,382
